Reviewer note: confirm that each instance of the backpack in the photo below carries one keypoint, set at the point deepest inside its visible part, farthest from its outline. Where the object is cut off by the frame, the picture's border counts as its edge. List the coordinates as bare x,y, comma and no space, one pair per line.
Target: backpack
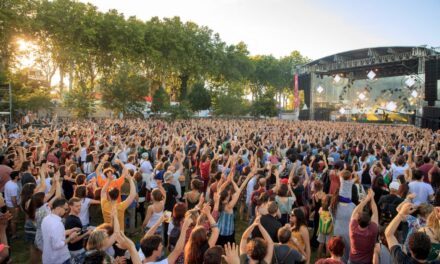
387,213
325,226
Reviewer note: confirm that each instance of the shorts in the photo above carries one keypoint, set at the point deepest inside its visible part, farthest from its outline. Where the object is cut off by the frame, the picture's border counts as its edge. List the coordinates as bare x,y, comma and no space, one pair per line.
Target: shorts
323,239
14,213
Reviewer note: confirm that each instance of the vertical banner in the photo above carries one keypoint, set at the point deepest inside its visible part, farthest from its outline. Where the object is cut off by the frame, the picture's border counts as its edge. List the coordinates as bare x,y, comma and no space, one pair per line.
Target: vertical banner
295,92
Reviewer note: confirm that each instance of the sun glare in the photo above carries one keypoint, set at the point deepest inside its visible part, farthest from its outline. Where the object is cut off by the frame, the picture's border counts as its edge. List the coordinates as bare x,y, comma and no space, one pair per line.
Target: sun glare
26,53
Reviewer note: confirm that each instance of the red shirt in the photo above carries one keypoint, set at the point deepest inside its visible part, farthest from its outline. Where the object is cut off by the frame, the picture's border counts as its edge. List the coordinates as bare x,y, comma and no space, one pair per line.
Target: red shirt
362,242
204,170
335,183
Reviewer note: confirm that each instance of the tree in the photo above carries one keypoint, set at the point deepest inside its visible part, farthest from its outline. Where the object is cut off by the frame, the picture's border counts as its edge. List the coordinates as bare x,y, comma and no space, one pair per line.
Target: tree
81,100
266,105
15,18
230,102
29,94
161,100
199,98
125,92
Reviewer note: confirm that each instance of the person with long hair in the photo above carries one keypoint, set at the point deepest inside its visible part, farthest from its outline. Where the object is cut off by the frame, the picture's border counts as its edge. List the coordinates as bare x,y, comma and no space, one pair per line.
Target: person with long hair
432,229
192,197
225,208
175,227
199,241
300,233
341,213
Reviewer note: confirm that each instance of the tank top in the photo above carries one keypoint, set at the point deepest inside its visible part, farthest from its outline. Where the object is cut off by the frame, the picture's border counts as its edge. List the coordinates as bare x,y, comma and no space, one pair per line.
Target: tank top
154,218
299,240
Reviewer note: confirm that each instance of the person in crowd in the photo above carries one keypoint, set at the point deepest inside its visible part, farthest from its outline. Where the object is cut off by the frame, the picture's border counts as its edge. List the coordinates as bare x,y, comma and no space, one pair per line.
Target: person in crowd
192,197
12,200
341,214
419,242
300,233
156,209
336,248
256,250
422,190
363,231
55,247
107,200
152,248
389,203
270,222
199,242
76,245
283,253
84,215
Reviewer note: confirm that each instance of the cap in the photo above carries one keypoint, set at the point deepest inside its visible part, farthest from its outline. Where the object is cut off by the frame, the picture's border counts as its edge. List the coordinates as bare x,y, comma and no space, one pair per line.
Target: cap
144,155
394,185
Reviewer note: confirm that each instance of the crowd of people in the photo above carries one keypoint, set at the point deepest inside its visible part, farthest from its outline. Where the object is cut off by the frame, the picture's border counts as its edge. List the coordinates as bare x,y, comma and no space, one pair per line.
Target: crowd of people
151,191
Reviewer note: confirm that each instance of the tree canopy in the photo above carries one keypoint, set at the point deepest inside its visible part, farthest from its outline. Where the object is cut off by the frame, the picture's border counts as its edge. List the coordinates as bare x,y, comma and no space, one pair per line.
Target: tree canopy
125,59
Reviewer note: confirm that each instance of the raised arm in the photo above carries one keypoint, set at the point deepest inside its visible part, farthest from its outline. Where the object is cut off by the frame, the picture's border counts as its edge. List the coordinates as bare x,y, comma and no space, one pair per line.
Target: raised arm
214,228
269,241
42,185
245,236
375,216
104,189
360,207
405,210
178,249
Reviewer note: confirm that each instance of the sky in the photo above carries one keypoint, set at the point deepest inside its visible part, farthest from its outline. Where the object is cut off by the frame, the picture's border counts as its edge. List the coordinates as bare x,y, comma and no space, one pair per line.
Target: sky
316,28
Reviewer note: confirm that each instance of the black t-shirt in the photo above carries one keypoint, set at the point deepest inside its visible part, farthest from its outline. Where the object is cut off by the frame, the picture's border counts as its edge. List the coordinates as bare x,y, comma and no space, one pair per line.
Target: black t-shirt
284,254
73,221
171,196
67,189
398,257
27,178
271,224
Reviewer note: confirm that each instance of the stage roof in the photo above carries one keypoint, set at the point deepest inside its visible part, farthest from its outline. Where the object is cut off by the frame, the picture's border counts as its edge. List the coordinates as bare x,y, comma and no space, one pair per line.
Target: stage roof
367,57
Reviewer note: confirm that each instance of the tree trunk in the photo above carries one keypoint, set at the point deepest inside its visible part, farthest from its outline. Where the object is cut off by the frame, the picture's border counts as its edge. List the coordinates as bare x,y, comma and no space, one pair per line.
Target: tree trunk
61,80
183,86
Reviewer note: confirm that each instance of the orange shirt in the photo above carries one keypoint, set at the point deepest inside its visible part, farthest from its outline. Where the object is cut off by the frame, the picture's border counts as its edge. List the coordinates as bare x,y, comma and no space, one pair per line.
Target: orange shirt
114,184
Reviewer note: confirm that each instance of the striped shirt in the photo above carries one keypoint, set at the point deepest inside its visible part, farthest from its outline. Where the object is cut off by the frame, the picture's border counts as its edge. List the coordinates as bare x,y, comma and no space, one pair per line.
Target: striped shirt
226,224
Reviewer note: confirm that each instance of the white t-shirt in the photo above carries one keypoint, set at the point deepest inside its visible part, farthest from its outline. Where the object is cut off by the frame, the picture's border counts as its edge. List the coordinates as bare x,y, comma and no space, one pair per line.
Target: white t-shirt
84,213
130,166
11,190
422,191
48,184
398,170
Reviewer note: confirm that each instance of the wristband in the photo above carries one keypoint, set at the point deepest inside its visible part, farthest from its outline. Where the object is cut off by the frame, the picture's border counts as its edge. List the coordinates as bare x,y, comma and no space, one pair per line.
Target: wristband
214,225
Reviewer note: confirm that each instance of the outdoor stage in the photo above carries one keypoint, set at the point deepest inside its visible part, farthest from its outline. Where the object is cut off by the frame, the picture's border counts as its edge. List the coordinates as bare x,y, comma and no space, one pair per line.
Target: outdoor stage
385,85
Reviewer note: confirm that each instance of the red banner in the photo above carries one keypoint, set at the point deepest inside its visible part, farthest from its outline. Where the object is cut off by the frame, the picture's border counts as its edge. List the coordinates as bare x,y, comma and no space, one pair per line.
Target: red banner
296,92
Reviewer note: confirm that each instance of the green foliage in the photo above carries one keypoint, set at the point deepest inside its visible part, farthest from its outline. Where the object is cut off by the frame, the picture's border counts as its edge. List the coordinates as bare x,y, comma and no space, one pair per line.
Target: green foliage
230,102
265,105
161,100
180,111
199,98
93,47
82,101
125,92
29,94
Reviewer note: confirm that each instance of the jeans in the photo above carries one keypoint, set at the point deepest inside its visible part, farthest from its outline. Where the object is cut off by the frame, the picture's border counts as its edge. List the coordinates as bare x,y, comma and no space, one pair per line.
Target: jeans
130,219
78,256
